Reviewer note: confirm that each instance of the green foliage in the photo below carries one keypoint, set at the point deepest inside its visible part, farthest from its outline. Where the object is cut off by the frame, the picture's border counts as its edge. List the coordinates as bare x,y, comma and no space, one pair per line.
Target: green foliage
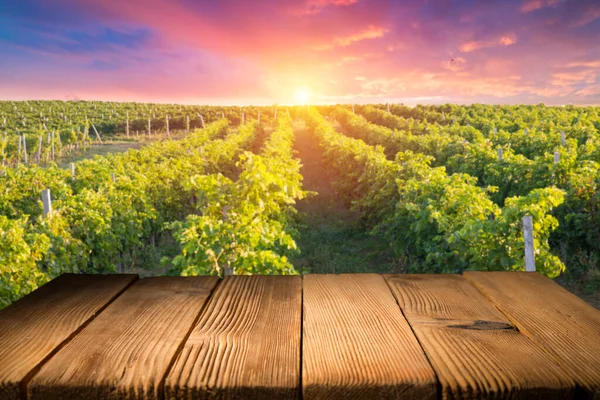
244,225
97,224
465,139
435,221
20,251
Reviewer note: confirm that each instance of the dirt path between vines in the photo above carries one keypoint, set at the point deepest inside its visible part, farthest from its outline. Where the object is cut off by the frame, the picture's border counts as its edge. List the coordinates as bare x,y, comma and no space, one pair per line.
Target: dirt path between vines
331,237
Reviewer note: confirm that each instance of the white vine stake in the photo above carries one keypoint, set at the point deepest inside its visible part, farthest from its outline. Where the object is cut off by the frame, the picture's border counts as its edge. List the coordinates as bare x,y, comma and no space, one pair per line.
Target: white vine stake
97,134
39,154
556,157
47,201
500,154
528,238
167,122
25,149
72,166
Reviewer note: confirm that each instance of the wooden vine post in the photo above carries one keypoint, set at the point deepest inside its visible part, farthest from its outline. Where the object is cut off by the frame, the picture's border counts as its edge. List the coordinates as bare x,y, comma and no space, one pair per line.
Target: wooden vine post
47,201
97,134
528,238
187,124
127,125
39,153
24,149
53,145
149,128
167,124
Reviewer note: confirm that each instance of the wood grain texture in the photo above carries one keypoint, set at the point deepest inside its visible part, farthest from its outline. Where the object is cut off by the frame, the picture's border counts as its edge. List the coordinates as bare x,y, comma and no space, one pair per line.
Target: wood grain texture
356,343
127,350
246,344
38,324
475,351
566,326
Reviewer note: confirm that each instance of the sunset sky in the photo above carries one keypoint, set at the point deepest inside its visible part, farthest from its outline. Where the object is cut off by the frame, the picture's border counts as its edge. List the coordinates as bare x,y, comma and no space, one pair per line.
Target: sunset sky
340,51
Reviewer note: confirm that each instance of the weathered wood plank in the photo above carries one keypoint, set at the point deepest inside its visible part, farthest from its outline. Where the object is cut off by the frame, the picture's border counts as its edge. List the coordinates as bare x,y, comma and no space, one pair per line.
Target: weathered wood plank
246,344
37,325
356,343
127,350
473,348
566,326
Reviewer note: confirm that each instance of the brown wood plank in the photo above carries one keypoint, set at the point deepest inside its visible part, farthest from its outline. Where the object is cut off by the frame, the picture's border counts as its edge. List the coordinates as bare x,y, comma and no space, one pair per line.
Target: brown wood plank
473,348
127,350
356,344
32,328
566,326
246,344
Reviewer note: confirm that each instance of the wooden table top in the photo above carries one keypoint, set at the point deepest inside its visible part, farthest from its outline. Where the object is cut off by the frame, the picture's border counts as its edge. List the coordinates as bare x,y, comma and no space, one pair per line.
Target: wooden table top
362,336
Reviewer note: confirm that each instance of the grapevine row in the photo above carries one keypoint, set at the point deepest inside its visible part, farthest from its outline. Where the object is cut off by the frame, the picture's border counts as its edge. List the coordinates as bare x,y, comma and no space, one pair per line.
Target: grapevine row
99,224
245,226
573,167
435,221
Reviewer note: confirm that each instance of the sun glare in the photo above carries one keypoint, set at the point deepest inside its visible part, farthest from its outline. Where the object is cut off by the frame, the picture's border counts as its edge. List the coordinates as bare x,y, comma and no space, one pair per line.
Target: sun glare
302,95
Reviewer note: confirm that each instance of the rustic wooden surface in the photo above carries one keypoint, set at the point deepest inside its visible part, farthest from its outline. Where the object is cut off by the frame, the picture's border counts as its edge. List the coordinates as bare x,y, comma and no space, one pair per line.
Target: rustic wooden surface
247,343
555,319
366,336
473,348
356,343
37,325
127,350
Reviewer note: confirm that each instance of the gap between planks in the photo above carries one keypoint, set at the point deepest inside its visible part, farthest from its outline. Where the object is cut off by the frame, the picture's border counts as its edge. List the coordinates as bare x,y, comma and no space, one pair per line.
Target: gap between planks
126,351
30,375
187,336
53,295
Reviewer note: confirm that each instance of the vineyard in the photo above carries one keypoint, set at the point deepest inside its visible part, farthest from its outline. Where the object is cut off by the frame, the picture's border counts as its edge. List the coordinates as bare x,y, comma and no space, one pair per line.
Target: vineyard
430,189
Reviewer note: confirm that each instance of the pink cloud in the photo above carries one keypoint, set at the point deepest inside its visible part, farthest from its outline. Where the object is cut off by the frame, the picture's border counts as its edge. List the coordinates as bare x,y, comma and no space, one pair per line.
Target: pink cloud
316,6
264,49
533,5
372,32
586,64
505,40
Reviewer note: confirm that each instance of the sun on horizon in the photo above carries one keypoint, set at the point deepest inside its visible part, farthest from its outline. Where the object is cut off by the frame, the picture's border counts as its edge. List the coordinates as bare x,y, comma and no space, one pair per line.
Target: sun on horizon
302,95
